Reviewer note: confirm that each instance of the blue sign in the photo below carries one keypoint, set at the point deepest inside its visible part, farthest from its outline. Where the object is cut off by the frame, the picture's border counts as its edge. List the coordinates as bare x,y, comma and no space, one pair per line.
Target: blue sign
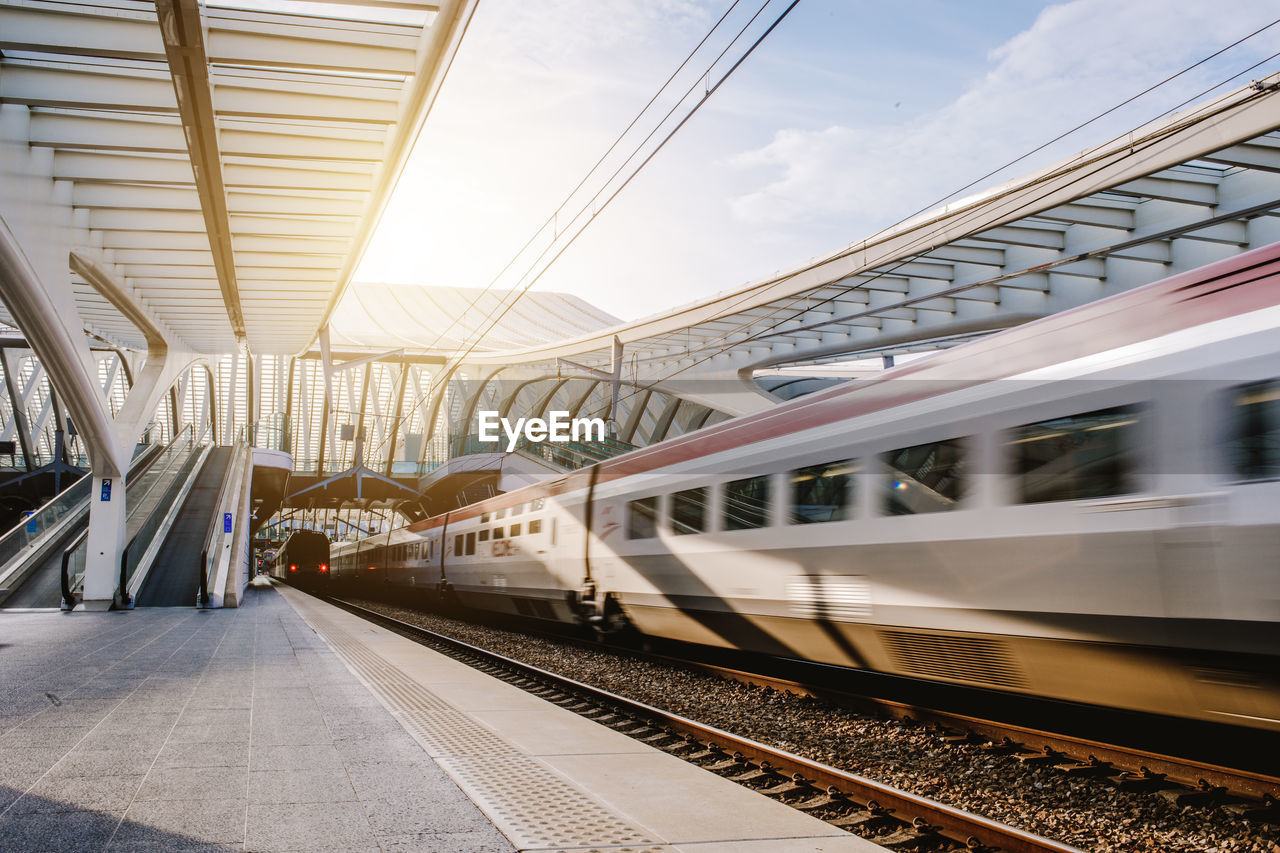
31,524
226,522
106,489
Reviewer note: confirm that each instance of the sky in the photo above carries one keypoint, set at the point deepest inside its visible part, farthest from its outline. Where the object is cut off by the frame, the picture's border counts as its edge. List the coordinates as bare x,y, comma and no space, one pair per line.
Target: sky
848,117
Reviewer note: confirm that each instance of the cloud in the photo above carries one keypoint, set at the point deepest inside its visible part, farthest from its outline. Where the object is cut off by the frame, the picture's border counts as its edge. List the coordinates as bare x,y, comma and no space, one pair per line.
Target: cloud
1076,60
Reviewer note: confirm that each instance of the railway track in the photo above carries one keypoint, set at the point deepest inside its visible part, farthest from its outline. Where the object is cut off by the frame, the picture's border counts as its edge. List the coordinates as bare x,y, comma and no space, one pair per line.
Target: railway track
1184,782
1252,796
888,816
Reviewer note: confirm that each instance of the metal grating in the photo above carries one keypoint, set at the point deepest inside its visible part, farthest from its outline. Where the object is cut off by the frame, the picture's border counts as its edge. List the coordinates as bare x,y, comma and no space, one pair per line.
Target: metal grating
830,598
984,660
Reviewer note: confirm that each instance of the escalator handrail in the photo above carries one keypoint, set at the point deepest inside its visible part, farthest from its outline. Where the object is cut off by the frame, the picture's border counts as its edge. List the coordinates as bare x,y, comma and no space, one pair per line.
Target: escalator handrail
138,464
208,550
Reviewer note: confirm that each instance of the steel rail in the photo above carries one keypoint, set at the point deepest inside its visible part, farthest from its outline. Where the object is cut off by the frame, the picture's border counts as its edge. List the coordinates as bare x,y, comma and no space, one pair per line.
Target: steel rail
1082,751
1129,764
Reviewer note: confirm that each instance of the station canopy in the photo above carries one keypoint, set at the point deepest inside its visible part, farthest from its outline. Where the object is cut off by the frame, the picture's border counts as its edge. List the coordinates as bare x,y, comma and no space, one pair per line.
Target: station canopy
228,164
227,167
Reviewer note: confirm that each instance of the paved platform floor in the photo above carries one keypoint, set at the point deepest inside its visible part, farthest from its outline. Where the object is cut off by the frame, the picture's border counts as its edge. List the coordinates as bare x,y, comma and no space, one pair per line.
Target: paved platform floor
289,724
172,729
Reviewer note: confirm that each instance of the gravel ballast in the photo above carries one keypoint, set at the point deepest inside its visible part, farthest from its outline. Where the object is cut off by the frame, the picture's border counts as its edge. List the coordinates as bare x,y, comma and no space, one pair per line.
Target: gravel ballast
1082,812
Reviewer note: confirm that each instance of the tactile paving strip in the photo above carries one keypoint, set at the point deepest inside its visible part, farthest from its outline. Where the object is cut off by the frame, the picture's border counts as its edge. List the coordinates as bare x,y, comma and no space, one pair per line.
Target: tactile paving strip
432,721
454,733
532,804
652,848
537,808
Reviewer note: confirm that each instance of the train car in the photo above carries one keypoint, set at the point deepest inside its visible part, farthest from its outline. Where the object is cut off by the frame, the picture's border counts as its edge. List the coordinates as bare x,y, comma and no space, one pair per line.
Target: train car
1085,507
374,563
303,559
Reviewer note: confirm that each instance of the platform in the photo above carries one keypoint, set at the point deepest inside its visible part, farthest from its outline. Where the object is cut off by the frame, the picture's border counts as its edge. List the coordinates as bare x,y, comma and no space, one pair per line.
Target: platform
289,724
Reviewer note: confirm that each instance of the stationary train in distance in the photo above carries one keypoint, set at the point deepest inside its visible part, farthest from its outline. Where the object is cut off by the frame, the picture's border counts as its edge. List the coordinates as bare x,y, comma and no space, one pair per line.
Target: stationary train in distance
1084,507
302,560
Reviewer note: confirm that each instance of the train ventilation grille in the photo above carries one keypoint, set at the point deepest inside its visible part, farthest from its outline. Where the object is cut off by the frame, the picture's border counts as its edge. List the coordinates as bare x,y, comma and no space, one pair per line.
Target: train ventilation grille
828,598
975,659
535,607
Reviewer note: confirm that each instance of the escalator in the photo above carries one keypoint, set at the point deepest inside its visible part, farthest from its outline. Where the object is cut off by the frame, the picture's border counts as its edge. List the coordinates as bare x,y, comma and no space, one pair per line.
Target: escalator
174,576
42,587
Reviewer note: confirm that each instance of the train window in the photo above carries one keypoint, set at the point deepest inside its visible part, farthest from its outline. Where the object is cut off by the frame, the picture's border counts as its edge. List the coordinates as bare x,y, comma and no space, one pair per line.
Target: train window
497,533
1081,456
822,492
471,544
925,477
499,513
515,530
689,511
535,526
746,503
484,518
517,509
538,503
457,545
484,535
641,517
1253,444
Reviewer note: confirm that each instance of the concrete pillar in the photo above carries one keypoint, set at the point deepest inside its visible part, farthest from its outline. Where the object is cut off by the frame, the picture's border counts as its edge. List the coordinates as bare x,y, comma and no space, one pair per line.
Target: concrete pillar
107,515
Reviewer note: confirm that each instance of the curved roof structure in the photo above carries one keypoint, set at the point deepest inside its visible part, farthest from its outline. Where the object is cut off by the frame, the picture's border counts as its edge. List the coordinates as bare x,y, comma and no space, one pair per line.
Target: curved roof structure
444,319
226,165
1187,190
207,177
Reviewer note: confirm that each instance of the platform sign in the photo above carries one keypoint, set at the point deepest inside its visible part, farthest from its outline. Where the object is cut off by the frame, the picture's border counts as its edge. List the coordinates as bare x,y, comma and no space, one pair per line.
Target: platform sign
106,489
226,522
31,521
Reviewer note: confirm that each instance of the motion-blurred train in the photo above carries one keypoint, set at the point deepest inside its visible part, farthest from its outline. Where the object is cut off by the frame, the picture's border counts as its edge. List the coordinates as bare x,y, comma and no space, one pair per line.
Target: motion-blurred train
1084,507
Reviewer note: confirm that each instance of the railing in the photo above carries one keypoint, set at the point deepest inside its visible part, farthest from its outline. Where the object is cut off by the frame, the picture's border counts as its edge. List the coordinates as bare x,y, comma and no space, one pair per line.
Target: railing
145,498
46,517
309,467
38,532
212,548
270,433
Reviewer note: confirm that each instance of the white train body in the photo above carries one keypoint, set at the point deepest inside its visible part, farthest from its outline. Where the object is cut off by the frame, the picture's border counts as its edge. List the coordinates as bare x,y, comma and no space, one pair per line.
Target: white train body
1138,568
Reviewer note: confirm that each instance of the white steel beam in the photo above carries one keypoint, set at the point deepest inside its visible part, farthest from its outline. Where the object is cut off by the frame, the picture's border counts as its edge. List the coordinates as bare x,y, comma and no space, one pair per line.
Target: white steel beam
182,27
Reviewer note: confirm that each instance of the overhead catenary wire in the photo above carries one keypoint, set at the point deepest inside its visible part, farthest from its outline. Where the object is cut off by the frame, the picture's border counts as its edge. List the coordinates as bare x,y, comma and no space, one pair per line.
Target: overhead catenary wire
554,216
661,144
596,208
863,244
594,204
909,254
754,321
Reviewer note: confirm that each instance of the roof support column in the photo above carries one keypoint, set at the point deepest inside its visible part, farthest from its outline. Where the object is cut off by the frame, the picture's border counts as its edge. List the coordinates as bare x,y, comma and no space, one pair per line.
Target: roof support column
395,419
107,508
286,439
